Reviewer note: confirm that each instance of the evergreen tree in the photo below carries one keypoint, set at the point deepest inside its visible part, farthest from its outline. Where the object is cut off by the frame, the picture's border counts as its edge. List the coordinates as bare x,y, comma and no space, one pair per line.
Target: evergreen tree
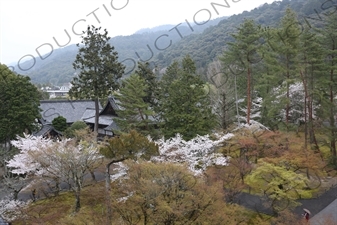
311,72
242,56
282,61
19,100
19,110
268,80
172,73
329,43
185,108
135,113
145,72
99,68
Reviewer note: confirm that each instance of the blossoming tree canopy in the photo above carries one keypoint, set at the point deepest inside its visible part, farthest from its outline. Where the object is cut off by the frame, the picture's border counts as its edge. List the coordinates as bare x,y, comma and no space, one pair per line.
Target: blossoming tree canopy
65,160
198,152
30,147
42,156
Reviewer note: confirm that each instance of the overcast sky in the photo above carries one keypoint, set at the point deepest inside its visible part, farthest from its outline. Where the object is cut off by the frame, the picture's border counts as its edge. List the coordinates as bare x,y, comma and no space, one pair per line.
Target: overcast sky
28,24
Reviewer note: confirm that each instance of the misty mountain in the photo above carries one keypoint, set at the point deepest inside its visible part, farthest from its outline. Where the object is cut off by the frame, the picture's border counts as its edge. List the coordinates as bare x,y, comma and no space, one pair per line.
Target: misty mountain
196,28
163,44
57,68
155,29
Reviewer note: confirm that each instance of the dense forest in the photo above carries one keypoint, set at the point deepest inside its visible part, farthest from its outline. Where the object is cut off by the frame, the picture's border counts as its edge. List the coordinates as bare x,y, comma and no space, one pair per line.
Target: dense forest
205,47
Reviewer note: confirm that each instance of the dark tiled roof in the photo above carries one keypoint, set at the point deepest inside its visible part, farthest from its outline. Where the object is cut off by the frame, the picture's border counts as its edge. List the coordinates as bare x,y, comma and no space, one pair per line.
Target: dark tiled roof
102,120
71,110
111,104
45,130
113,126
80,110
88,113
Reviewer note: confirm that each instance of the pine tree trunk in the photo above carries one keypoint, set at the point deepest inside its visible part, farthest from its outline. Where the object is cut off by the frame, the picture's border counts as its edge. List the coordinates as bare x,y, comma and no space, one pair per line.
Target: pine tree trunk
332,96
332,120
288,95
312,135
310,107
306,124
249,97
223,112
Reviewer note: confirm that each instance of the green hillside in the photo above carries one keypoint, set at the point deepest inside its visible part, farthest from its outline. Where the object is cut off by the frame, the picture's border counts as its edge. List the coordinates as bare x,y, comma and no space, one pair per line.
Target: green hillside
57,68
204,44
203,48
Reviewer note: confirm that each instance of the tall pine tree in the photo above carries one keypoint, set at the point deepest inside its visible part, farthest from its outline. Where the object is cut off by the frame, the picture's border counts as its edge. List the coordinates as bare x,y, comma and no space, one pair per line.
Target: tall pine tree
99,68
282,59
329,43
185,107
243,55
145,72
135,112
311,73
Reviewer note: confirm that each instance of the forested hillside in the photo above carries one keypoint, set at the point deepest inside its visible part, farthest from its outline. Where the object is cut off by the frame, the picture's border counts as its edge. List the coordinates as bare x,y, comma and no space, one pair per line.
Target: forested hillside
203,44
203,48
57,68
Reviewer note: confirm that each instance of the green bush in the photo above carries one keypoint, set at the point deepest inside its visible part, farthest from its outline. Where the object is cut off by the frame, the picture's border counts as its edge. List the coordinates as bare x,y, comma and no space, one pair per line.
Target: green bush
60,123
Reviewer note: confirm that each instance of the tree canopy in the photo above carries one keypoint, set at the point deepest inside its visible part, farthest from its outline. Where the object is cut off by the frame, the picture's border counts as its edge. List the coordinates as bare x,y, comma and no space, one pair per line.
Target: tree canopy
19,100
60,123
130,145
283,187
184,105
135,112
59,161
169,194
99,69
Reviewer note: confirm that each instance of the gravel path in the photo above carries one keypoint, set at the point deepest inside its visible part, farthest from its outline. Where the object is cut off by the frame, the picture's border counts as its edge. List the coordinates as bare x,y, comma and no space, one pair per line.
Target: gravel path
328,216
319,207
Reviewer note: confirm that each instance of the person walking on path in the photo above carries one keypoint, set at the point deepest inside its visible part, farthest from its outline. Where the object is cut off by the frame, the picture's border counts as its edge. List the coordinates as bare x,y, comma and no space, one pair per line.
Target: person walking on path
306,214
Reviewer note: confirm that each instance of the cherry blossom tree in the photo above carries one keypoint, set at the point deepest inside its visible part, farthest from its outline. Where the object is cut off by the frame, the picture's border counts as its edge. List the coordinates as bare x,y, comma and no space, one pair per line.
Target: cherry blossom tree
66,160
12,209
297,112
198,153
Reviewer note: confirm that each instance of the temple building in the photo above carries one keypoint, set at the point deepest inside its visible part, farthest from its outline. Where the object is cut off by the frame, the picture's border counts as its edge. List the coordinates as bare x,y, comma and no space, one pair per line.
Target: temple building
77,110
